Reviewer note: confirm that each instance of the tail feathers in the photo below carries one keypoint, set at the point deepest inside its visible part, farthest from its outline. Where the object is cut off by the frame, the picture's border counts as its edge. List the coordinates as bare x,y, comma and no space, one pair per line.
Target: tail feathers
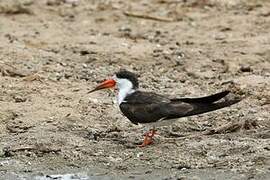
205,100
200,108
209,103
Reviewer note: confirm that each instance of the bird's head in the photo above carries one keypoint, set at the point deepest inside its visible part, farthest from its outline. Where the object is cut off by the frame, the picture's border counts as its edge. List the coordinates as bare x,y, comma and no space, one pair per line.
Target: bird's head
122,80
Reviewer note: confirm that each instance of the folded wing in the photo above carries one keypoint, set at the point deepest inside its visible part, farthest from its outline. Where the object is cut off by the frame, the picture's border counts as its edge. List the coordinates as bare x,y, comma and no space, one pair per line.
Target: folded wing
146,107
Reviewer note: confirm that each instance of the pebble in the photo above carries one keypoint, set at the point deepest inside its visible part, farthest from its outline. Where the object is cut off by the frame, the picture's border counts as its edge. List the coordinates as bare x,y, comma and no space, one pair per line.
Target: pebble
245,68
140,154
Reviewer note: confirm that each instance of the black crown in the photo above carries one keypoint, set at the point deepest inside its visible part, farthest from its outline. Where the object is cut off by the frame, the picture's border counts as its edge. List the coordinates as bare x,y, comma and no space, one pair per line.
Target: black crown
133,78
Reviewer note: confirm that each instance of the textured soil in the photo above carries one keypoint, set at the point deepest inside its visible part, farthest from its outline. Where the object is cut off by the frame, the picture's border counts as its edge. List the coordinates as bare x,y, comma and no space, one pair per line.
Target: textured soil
52,52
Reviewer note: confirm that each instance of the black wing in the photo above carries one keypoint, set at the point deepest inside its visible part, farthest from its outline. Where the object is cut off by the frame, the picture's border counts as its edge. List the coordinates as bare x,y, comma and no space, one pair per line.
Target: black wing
206,104
146,107
206,99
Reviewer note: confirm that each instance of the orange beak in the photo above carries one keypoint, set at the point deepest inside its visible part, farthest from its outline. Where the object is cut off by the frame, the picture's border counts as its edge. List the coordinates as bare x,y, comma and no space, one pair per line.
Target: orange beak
110,83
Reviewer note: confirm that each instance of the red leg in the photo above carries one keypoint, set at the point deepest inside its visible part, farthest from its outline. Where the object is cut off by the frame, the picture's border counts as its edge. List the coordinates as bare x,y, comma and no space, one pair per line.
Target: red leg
148,138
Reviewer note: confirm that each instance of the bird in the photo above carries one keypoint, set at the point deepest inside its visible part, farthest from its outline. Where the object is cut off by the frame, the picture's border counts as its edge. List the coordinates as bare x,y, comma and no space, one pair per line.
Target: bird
142,107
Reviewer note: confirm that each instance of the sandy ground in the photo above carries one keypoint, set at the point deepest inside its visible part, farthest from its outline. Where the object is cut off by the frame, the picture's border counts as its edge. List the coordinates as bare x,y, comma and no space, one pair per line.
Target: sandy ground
53,51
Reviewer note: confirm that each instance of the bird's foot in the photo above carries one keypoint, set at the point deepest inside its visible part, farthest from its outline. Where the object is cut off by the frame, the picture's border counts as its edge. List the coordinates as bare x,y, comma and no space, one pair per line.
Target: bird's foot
148,138
147,141
151,133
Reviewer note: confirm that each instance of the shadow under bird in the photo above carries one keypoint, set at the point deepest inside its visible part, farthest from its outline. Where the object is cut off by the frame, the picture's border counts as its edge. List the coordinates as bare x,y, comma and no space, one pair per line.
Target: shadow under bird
142,107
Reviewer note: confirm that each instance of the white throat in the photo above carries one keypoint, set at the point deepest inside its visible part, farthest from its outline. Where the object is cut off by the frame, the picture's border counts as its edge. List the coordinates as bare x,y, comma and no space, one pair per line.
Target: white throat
125,87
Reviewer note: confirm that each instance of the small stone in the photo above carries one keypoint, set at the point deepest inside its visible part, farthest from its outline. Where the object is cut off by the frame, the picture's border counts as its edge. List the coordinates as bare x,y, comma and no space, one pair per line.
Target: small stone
124,29
245,68
19,99
140,154
84,52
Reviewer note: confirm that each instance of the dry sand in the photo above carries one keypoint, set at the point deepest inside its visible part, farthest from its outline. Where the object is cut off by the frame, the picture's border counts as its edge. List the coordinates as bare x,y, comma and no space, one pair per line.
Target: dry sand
53,51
